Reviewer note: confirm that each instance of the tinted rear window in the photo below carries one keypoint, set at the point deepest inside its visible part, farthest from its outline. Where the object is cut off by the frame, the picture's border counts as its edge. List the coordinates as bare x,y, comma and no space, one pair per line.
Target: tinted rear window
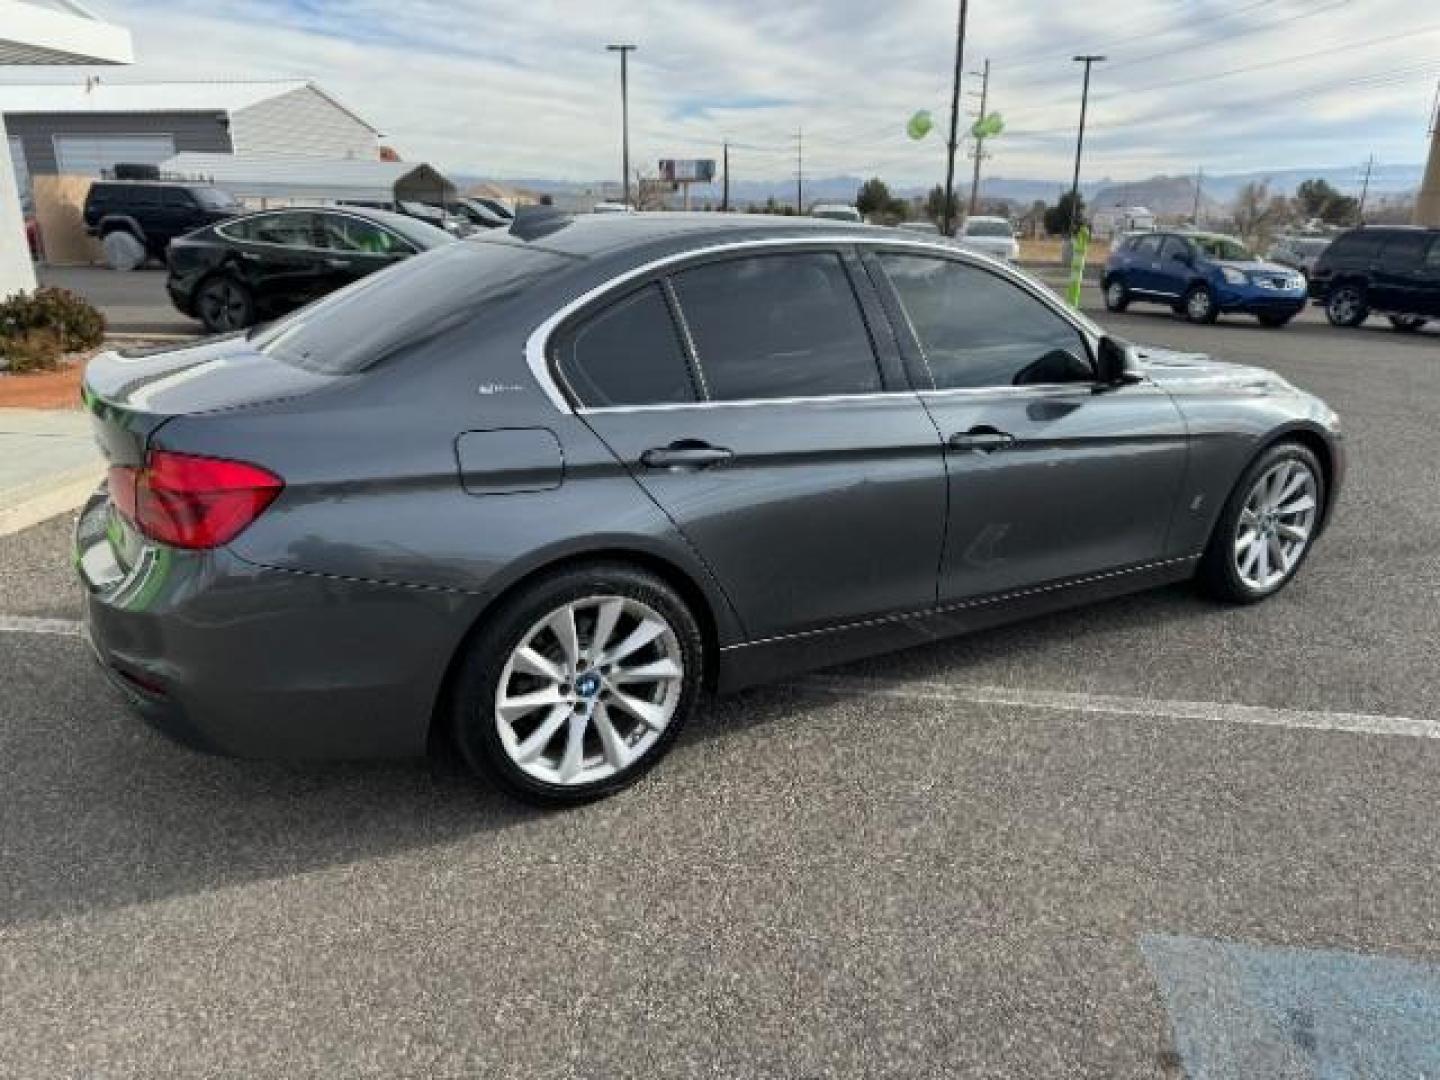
382,315
776,326
1360,244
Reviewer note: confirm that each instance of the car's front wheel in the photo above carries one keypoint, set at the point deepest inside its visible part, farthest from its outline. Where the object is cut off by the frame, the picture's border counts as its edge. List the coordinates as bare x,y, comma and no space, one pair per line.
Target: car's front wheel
1117,297
576,687
224,304
1407,324
1347,306
1200,306
1266,527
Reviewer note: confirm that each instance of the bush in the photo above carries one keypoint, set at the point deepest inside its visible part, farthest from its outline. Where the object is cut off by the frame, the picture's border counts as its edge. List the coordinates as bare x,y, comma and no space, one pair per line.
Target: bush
31,350
37,328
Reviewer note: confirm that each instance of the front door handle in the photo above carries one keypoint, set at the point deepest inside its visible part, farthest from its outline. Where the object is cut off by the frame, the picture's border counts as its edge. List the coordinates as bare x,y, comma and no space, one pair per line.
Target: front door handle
983,438
338,264
685,455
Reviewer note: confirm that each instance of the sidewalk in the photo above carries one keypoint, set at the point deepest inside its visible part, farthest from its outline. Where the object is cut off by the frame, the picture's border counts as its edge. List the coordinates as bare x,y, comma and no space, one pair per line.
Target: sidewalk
48,465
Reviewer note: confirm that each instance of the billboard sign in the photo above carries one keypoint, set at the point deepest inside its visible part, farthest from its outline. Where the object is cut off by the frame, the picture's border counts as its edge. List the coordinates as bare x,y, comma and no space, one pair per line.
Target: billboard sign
687,170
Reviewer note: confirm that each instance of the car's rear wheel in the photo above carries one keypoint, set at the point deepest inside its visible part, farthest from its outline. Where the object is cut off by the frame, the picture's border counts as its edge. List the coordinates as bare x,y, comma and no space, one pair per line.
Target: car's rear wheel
1274,321
1200,306
1407,324
1346,305
1267,526
577,686
1117,297
224,304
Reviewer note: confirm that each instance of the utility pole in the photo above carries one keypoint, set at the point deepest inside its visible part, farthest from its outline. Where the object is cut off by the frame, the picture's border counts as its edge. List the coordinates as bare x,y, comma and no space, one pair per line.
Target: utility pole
800,171
725,179
1087,60
624,51
947,223
1364,191
980,139
1199,181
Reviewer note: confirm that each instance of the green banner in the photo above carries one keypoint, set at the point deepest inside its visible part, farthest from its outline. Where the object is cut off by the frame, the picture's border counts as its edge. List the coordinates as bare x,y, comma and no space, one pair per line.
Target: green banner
1079,248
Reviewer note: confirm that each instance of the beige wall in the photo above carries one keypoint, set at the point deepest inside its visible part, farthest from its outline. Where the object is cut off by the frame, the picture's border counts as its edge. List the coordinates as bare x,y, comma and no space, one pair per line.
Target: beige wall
59,209
1427,203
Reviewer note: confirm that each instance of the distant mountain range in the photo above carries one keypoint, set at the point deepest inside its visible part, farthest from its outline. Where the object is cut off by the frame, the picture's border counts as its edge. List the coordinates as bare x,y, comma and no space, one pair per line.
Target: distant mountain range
1161,194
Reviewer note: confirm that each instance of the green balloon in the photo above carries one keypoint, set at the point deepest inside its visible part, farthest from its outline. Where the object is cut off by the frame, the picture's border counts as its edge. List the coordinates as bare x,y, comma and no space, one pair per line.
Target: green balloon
988,126
920,124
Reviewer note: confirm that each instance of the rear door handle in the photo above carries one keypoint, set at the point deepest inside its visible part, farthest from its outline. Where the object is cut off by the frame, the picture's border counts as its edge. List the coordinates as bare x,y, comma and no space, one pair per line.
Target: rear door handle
983,438
685,455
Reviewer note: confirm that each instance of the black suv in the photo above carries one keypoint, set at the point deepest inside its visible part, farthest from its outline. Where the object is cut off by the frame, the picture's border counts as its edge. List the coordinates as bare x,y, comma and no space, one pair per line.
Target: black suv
154,212
1394,271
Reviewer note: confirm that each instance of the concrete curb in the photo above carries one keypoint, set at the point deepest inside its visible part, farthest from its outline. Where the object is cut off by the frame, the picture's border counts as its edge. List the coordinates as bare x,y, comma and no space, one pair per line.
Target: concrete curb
61,494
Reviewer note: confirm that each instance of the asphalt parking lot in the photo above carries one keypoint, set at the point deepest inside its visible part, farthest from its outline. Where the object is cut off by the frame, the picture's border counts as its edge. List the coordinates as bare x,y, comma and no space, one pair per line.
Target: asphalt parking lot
1112,843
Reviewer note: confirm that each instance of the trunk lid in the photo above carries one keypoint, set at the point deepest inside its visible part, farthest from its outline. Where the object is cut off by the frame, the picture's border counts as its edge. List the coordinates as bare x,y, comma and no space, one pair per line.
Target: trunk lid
131,393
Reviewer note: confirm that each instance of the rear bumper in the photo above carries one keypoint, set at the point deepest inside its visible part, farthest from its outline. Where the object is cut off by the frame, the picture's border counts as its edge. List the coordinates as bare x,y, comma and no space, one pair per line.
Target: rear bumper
248,661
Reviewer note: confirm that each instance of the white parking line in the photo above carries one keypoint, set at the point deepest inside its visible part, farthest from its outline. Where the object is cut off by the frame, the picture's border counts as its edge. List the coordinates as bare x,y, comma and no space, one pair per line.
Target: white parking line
1121,705
24,624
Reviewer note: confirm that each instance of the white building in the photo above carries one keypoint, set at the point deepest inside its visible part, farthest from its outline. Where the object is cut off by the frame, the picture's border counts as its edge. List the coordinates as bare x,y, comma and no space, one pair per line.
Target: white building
83,127
54,32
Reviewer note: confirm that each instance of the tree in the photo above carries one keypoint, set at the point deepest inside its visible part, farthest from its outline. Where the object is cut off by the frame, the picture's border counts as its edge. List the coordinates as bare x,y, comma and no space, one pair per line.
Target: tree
935,205
1057,218
1317,198
1260,215
874,197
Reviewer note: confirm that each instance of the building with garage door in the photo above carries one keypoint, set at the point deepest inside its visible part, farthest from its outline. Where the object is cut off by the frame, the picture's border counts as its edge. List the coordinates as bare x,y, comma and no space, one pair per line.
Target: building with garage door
87,127
33,33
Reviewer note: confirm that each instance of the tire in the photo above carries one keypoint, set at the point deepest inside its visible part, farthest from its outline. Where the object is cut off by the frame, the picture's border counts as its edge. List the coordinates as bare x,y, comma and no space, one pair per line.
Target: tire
1117,297
1407,324
224,304
1238,572
1274,322
518,653
1346,305
123,251
1199,305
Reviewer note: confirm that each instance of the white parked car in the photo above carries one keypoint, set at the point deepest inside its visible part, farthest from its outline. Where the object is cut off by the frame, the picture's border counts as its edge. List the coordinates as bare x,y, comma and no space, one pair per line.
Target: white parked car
989,236
612,208
836,212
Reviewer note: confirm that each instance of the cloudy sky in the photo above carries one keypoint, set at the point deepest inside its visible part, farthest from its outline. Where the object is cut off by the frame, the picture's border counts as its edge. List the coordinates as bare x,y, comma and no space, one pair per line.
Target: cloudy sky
513,88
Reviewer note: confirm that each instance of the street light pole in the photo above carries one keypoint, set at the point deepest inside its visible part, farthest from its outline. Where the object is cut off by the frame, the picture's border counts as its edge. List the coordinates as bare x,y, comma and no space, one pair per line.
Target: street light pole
946,217
979,139
1087,60
624,51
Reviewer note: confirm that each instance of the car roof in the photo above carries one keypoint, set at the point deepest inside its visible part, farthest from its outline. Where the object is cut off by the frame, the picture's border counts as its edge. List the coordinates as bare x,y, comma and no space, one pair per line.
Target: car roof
603,234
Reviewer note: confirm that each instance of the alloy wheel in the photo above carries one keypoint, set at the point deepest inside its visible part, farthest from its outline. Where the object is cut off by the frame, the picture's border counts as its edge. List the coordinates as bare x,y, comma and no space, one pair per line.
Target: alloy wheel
588,690
1115,295
1345,307
1276,524
223,305
1197,305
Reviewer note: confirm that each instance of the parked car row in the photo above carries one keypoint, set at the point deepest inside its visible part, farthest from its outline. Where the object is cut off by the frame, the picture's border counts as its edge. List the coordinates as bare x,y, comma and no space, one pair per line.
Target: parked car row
1387,270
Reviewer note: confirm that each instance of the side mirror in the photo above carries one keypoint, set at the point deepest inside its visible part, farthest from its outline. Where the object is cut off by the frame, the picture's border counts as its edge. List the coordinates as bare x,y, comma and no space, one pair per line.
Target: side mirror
1112,363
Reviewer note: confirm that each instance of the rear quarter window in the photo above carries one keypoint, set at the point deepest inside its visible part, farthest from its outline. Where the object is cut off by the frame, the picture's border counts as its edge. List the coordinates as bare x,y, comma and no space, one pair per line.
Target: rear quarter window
1360,244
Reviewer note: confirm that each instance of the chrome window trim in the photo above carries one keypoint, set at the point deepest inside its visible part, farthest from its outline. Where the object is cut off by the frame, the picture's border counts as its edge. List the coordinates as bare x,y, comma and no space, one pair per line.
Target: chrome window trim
220,228
537,345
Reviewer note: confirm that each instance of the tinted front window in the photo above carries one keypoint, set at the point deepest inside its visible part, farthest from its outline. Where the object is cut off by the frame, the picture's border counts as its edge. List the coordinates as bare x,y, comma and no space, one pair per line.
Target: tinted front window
1222,247
1173,246
342,232
383,315
214,198
776,326
177,199
628,354
977,329
1360,244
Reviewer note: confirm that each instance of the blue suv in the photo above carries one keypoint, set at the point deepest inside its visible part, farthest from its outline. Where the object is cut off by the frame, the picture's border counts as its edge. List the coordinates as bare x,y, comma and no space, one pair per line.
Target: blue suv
1201,276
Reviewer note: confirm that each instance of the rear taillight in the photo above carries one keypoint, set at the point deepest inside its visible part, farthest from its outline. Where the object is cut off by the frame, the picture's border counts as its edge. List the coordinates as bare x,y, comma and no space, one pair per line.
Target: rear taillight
192,502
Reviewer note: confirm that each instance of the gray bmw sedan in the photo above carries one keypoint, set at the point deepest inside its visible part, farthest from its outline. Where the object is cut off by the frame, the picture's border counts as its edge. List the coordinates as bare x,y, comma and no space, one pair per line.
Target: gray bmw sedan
534,494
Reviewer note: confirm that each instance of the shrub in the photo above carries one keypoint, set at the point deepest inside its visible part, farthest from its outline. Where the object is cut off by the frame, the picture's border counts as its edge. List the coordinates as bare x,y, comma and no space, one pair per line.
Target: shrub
44,315
31,350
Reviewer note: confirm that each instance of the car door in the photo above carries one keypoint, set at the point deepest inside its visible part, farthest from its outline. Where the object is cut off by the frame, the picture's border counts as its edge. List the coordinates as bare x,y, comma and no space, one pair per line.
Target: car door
1051,478
277,257
789,453
1398,272
1174,266
1142,271
355,247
